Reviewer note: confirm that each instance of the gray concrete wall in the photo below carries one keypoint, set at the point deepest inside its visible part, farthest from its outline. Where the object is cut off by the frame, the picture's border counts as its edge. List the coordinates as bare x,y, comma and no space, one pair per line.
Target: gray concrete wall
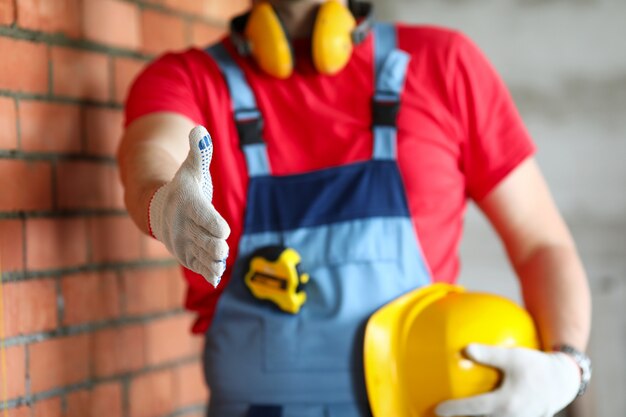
565,63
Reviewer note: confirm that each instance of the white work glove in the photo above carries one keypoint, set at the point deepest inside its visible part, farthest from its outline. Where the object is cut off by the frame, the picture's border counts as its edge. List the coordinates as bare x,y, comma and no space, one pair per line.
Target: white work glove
182,216
536,384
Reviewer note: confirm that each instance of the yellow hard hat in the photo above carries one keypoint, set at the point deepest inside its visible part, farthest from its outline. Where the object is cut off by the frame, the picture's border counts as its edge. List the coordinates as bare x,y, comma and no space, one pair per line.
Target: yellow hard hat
414,345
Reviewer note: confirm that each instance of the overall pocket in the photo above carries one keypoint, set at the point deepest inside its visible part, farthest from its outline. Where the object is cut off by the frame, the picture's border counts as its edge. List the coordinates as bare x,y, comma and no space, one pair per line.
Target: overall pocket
355,267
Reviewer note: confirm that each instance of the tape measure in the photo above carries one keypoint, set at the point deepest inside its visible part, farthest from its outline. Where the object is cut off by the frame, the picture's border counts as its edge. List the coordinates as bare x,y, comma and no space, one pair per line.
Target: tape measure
274,275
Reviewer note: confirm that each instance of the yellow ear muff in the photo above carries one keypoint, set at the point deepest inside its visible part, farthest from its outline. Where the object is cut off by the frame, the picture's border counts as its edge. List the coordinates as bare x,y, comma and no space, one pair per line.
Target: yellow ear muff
269,44
332,42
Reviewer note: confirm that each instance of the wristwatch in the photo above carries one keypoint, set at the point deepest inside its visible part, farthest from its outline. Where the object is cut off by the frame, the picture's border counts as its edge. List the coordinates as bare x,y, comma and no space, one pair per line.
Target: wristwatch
584,363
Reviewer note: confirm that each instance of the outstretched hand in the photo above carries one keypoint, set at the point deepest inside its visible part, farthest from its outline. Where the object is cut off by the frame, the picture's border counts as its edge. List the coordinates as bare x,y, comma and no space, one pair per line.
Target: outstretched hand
183,217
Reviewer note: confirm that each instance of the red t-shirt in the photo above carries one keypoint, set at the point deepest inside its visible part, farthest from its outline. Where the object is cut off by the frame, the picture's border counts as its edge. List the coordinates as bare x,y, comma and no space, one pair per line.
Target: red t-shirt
459,132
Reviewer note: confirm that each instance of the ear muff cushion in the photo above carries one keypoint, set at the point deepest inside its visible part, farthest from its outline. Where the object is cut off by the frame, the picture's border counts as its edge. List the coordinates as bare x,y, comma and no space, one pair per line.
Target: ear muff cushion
268,40
331,42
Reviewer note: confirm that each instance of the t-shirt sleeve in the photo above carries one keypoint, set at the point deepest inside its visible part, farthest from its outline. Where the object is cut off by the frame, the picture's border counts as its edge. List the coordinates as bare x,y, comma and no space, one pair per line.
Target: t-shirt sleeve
496,140
165,85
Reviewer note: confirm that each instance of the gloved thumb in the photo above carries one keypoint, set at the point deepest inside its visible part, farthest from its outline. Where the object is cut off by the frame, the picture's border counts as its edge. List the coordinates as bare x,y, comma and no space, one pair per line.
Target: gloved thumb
199,159
200,151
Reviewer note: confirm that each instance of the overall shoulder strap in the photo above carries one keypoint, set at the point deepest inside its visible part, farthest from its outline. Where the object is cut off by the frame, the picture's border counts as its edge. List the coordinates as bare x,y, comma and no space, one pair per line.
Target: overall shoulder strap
390,65
248,118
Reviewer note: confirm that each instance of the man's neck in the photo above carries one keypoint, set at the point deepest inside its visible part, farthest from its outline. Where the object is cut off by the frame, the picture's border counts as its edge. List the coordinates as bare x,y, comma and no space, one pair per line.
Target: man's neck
298,16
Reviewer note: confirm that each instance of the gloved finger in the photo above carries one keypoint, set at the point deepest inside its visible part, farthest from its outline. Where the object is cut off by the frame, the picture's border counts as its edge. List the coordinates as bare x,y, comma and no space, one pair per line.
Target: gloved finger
214,273
215,267
495,356
207,273
218,268
212,222
478,405
216,249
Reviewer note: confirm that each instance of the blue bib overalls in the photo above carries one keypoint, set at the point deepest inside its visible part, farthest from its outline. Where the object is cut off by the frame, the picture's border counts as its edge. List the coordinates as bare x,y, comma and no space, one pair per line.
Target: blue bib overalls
352,228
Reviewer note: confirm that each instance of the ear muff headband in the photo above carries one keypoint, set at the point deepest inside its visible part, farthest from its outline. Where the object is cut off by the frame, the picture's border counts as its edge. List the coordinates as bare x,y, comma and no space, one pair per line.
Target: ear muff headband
260,33
362,12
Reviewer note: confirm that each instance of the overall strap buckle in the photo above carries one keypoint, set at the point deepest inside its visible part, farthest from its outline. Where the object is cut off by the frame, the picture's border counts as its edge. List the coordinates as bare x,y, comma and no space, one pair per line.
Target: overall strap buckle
390,66
247,117
385,107
249,124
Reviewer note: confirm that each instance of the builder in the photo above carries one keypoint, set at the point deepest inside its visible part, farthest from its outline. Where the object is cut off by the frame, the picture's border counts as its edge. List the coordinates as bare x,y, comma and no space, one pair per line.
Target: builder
342,154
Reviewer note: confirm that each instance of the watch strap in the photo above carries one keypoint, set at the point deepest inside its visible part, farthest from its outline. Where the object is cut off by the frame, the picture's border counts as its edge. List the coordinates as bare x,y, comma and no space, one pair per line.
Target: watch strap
582,360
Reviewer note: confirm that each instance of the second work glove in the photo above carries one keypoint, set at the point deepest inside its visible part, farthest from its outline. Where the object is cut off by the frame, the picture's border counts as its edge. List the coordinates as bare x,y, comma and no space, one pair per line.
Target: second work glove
182,215
536,384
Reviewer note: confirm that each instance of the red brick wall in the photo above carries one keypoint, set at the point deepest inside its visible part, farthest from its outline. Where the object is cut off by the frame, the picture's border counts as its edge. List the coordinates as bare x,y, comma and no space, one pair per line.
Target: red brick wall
92,317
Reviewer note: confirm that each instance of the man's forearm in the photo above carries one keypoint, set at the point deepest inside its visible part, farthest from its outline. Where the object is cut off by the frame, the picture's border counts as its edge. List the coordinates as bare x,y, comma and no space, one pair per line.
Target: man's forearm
151,151
542,251
556,293
142,176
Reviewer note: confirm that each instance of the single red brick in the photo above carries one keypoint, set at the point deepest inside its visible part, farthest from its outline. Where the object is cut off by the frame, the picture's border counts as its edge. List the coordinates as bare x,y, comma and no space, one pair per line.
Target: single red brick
190,385
80,74
48,408
7,12
55,243
197,344
50,16
59,362
30,306
225,10
151,290
78,403
152,394
101,16
11,245
21,411
104,129
49,127
82,184
161,32
125,70
104,400
16,370
8,123
119,350
24,66
203,35
25,185
89,297
178,288
194,7
114,238
169,339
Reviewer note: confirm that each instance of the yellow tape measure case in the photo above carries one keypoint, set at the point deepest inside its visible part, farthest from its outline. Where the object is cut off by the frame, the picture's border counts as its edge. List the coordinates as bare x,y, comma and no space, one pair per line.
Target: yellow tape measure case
274,275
